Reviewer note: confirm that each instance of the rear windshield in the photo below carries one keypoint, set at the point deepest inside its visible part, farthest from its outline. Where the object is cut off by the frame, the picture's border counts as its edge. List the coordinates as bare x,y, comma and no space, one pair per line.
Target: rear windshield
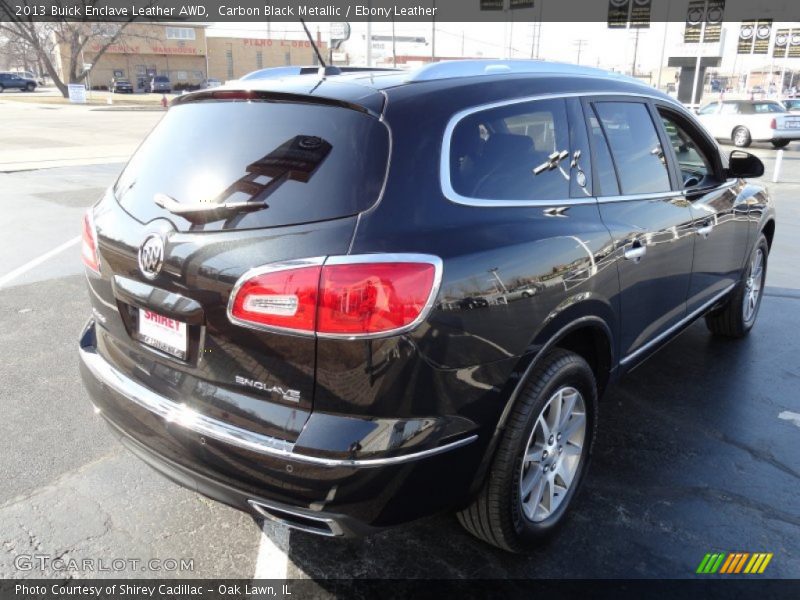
308,162
762,107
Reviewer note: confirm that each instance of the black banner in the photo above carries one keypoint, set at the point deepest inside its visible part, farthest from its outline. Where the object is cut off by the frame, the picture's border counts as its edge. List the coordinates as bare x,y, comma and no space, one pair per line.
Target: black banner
492,4
794,46
640,14
715,12
763,35
782,39
747,33
520,4
618,11
695,16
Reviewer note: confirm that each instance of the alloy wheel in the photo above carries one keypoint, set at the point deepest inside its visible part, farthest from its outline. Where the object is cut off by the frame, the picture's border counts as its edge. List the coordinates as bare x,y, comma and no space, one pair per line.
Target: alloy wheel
753,285
553,454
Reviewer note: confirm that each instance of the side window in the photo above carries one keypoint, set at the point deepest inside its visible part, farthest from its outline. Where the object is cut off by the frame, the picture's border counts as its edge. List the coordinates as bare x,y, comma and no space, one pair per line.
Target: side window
603,165
637,151
709,109
729,108
515,152
693,163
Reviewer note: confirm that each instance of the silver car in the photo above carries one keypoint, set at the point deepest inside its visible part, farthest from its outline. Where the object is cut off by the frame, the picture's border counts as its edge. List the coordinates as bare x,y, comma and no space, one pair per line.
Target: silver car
747,121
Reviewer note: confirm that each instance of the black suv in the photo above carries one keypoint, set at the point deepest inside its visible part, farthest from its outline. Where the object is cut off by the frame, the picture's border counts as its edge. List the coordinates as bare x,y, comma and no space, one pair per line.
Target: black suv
347,302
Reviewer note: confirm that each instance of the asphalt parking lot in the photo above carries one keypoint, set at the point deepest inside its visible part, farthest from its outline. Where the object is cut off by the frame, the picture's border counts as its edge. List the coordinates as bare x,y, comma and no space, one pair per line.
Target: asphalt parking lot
696,452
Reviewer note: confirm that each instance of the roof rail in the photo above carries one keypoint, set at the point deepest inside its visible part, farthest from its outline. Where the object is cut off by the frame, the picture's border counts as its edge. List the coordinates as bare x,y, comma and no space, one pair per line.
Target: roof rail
449,69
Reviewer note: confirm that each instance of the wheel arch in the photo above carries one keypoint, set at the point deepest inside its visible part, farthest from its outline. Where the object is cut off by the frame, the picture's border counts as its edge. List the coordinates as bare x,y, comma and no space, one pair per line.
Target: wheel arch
589,335
768,230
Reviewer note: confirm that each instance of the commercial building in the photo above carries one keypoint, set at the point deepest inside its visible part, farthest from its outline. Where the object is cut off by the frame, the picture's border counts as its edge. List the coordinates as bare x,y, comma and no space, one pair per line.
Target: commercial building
184,53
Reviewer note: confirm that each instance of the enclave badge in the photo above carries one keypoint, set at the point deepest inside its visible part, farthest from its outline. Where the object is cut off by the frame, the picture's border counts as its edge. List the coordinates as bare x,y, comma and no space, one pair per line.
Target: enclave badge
151,256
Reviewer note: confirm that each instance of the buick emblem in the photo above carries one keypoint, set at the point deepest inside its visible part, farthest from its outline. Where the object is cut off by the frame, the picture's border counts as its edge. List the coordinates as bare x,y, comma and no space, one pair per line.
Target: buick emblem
151,256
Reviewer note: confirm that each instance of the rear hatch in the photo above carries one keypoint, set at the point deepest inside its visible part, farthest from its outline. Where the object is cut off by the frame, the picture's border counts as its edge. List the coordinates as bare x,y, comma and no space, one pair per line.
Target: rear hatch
308,166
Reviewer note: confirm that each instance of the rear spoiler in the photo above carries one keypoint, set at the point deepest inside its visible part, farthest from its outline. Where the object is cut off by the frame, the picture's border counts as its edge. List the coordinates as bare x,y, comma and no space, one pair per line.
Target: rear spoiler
234,95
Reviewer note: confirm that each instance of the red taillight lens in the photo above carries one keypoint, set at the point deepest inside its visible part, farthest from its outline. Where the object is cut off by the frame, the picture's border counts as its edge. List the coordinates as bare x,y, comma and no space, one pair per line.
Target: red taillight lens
372,298
342,298
773,124
89,244
286,299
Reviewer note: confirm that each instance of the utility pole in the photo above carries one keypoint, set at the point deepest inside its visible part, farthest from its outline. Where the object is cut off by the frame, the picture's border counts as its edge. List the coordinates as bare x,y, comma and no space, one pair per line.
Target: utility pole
394,47
663,46
635,52
579,44
369,36
697,63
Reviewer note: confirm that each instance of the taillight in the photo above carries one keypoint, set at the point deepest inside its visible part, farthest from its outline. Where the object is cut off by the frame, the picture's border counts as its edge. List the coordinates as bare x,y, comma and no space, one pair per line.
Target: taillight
773,124
89,243
347,296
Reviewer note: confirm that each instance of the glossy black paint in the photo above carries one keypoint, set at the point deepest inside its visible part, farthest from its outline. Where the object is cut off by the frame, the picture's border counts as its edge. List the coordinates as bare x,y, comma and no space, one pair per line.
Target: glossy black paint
566,280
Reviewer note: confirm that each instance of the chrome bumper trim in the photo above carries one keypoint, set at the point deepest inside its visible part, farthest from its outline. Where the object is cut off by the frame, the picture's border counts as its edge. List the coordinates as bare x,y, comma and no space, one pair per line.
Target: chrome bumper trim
186,417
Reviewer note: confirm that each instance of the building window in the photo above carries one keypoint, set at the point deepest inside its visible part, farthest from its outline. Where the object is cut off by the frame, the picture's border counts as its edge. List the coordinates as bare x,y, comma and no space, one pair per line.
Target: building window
259,60
180,33
229,62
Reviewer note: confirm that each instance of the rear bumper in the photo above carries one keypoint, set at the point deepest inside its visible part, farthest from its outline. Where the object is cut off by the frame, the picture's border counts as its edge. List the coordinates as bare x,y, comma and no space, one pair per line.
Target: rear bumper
279,479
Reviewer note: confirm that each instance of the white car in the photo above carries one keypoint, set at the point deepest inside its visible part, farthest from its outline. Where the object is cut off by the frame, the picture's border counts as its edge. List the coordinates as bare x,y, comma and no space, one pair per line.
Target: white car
747,121
792,105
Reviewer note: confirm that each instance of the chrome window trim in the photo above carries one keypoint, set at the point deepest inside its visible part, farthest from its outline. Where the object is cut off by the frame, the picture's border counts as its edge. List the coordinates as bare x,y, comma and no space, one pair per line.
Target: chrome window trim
444,159
669,331
189,419
349,259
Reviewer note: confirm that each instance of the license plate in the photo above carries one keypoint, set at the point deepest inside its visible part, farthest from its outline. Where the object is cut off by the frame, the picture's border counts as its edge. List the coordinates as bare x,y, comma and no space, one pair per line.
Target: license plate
164,333
792,124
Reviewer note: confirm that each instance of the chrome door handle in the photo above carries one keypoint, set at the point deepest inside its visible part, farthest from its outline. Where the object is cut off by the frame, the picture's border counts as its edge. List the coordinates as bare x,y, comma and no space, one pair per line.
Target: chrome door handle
635,252
705,230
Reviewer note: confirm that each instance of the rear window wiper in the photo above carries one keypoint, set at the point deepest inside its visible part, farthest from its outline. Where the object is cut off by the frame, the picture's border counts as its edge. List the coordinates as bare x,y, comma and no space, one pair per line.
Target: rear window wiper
206,211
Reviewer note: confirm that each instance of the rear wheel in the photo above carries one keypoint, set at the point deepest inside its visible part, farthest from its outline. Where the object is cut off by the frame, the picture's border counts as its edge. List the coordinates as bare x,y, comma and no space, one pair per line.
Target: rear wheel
736,318
741,137
780,143
2,89
541,459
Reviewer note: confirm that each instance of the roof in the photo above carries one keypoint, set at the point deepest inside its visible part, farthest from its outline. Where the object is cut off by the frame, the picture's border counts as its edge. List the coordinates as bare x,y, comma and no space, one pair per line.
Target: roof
367,89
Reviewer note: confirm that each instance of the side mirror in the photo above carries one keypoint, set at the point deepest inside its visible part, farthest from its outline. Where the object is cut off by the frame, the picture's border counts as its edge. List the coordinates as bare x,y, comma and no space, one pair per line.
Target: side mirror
744,165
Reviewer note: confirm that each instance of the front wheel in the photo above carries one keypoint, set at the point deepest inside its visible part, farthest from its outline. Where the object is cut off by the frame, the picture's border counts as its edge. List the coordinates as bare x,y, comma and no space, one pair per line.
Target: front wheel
741,137
30,87
541,459
736,318
780,143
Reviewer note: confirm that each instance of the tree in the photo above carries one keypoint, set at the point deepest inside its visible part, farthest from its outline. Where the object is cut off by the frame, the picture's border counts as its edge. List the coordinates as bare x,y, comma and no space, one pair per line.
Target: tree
44,39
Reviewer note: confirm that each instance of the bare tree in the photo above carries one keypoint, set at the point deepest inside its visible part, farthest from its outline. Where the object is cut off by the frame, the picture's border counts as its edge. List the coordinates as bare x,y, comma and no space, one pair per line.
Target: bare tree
44,39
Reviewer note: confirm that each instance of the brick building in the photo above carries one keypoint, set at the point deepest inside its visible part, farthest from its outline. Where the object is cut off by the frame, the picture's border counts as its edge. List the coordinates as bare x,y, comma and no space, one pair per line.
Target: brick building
185,54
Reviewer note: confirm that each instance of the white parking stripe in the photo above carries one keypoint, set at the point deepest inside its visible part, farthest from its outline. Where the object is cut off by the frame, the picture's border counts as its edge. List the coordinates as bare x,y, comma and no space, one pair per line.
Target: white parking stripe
273,560
37,261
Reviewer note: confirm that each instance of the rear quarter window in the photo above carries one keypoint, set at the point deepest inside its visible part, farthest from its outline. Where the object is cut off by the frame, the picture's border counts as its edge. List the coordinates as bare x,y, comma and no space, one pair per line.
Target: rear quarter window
515,152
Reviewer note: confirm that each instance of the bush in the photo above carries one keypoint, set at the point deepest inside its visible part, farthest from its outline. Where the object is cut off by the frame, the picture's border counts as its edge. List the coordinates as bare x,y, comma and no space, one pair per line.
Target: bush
100,88
189,87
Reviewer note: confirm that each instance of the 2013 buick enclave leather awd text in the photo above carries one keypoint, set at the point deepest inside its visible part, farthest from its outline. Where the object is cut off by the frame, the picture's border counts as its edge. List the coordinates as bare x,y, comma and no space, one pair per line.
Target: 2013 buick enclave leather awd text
347,302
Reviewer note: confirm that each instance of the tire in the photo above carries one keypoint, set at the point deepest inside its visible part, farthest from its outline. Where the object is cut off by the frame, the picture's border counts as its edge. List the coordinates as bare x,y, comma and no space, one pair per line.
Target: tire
502,514
736,318
30,87
741,137
780,143
2,89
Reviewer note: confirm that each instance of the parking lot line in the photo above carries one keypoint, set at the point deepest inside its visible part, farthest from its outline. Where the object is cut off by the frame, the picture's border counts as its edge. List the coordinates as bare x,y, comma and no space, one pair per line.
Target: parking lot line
273,552
11,275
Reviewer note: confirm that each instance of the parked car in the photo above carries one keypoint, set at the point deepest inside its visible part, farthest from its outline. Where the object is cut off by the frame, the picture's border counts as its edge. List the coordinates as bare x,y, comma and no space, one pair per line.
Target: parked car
284,315
210,83
158,84
32,76
792,105
747,121
120,85
9,81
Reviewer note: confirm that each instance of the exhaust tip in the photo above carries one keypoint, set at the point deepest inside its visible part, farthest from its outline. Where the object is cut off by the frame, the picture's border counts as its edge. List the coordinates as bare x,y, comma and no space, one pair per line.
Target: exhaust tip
297,520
